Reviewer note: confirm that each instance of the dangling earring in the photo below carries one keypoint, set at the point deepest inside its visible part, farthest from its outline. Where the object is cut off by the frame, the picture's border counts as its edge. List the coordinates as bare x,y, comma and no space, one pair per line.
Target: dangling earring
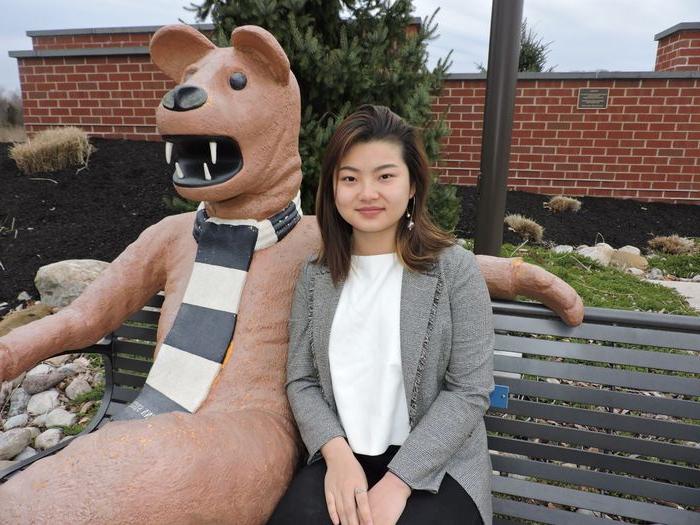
411,224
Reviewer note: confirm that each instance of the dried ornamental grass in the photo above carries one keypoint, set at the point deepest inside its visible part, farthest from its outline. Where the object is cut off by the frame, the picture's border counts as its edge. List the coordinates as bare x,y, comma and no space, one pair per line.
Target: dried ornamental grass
52,150
526,228
560,203
673,244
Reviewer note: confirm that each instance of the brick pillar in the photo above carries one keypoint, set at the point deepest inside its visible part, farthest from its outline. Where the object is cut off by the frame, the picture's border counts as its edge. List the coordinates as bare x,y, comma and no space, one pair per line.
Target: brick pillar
679,48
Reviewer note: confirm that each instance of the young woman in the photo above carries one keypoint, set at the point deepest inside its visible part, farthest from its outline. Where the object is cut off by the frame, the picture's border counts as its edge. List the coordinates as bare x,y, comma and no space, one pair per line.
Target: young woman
390,351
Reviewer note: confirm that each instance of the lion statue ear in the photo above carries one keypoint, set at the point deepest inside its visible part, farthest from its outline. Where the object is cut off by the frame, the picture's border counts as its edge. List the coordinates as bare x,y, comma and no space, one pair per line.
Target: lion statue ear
261,42
175,47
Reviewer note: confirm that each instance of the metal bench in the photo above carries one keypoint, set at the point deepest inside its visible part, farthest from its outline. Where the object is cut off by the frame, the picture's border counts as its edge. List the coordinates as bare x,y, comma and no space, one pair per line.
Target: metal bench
602,420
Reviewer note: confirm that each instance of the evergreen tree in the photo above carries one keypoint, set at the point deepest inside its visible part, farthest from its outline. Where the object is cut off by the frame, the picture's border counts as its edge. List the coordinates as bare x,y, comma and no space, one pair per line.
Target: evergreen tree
345,53
533,52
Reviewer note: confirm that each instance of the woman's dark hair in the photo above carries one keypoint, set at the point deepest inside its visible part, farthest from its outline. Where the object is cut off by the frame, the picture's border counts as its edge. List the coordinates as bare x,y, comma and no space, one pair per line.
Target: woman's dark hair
417,248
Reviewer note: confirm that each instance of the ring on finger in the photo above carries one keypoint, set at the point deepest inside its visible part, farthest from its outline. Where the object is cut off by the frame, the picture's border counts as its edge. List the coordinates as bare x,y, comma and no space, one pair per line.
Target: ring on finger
360,491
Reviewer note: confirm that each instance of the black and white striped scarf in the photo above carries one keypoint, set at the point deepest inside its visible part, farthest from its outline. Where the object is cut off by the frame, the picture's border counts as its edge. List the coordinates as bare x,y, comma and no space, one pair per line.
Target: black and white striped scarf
194,350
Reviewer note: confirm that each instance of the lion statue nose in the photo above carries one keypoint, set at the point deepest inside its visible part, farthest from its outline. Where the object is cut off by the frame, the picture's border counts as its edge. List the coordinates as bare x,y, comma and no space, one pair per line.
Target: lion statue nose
184,98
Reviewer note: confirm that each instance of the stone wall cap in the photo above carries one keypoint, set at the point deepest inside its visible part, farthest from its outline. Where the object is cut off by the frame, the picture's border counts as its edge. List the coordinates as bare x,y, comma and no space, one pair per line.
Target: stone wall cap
110,30
80,52
587,75
683,26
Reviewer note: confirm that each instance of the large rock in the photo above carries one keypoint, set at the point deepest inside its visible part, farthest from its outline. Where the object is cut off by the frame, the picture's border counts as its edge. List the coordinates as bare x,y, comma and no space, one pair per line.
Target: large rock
13,442
43,403
59,417
36,383
61,282
18,402
48,438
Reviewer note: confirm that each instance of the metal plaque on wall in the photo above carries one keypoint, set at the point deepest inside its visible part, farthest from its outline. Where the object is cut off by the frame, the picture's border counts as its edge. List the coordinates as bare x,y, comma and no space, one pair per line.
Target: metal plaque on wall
593,98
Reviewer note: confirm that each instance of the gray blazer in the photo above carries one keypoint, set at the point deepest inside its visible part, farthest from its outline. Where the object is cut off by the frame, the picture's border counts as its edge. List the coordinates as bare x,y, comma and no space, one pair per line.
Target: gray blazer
447,343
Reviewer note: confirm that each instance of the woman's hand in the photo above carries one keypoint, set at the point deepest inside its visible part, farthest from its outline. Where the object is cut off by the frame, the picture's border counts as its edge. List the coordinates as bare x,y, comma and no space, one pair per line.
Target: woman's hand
387,499
345,485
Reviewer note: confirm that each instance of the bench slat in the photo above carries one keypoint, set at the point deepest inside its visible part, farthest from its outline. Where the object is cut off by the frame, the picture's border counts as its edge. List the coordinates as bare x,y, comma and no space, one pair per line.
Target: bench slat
600,332
122,378
542,514
600,353
643,447
136,332
595,374
131,347
146,316
601,480
136,365
586,500
594,396
592,314
599,460
598,419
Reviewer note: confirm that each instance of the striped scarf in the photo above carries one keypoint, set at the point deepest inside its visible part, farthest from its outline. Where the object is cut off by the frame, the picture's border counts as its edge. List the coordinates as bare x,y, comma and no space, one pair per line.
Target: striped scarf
194,350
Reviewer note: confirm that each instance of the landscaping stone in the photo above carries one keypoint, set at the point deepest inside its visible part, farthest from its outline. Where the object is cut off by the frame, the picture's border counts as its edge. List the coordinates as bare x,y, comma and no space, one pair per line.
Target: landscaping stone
39,370
48,438
600,253
27,453
77,387
43,402
655,274
13,442
36,383
59,417
20,420
18,402
563,248
624,260
5,464
59,360
61,282
630,249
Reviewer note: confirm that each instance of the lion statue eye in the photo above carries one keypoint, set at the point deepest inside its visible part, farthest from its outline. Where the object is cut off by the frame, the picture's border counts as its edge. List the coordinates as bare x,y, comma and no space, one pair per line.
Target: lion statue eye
238,81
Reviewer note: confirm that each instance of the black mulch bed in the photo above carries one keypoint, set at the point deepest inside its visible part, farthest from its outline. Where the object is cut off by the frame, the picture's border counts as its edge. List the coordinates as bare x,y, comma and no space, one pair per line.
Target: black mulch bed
95,213
615,221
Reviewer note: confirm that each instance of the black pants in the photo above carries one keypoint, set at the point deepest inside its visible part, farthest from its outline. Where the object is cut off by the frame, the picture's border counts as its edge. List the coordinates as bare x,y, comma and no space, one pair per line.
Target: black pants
305,502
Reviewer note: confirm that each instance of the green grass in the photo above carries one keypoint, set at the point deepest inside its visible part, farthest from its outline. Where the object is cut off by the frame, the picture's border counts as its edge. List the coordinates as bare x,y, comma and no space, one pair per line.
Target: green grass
685,266
600,286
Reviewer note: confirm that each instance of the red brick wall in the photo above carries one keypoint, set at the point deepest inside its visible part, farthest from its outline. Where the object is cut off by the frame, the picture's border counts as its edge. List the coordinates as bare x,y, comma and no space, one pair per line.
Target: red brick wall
645,145
111,97
679,52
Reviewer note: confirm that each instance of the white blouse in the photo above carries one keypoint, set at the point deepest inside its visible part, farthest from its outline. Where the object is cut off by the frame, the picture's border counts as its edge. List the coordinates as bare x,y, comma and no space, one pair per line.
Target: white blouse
365,355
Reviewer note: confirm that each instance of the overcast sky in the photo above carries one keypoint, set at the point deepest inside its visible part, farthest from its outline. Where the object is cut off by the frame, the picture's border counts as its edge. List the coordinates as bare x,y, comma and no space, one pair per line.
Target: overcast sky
586,35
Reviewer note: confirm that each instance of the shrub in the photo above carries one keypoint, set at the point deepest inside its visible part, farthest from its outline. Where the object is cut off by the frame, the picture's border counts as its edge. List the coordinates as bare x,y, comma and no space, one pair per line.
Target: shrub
560,203
673,244
52,150
526,228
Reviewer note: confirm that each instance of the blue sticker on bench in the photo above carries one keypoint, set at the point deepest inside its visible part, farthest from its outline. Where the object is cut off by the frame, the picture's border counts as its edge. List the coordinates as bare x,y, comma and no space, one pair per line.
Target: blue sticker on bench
499,396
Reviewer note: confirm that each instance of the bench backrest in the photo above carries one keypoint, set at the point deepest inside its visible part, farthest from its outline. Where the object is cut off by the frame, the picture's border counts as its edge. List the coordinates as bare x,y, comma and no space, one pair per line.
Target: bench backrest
603,417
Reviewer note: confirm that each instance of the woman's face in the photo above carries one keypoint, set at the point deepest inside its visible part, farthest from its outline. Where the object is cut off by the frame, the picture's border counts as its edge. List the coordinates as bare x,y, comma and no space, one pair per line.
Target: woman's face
372,186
